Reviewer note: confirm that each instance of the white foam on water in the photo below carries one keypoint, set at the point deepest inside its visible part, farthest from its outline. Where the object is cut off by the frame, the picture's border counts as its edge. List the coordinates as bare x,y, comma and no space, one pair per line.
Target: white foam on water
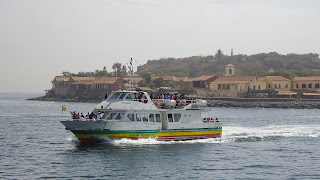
154,141
72,139
234,132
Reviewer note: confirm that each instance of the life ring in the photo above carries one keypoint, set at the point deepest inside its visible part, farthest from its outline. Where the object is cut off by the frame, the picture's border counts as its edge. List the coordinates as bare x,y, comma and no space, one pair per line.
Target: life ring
208,120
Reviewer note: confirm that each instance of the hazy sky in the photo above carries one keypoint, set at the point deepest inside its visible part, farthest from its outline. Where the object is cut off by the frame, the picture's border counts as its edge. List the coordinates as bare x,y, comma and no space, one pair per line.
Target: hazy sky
41,38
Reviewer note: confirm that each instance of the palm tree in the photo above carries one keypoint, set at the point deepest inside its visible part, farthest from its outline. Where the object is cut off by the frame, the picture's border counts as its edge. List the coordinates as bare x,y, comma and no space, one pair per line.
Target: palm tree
117,68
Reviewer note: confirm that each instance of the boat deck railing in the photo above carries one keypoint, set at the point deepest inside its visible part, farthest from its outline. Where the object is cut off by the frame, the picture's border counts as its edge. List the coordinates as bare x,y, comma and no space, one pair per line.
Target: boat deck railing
179,103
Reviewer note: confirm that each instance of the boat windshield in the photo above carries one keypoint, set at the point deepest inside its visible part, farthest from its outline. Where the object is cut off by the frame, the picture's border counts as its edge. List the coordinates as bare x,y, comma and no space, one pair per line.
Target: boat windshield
123,96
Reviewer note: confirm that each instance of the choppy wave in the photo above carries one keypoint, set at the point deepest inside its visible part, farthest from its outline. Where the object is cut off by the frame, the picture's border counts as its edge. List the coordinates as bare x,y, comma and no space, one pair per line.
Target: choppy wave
231,134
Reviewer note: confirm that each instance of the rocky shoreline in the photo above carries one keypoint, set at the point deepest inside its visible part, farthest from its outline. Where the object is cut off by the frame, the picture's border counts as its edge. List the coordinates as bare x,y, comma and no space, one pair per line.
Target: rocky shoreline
60,99
222,102
282,104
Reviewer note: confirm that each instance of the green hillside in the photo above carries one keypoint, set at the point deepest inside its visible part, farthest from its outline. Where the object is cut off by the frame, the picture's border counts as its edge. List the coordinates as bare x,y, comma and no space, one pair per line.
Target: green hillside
289,65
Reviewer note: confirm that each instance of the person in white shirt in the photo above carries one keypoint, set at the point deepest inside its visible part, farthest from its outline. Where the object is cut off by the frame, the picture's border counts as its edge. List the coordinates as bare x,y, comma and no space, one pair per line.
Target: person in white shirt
99,115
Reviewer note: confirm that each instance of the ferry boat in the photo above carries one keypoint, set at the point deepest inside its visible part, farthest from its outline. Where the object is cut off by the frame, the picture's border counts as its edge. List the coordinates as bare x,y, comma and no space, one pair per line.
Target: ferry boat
124,115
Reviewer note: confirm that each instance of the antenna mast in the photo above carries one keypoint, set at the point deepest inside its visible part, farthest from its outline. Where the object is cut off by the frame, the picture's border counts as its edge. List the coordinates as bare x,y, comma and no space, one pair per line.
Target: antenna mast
131,76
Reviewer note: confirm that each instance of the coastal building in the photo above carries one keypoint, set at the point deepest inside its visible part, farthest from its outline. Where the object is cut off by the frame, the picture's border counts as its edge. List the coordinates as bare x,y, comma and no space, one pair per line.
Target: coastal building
229,70
236,86
278,83
203,81
308,87
78,84
60,86
305,84
86,87
100,86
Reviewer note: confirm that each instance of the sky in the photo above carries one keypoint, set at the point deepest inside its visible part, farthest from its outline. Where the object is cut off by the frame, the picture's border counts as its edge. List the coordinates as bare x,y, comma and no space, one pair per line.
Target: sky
39,39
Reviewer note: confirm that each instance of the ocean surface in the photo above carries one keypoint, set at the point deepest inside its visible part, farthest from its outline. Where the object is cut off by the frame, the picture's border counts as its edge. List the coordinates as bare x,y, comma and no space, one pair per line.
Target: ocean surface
256,144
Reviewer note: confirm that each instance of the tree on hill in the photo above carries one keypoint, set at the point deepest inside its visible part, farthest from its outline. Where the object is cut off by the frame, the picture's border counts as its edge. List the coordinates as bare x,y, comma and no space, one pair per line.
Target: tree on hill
283,73
119,70
67,74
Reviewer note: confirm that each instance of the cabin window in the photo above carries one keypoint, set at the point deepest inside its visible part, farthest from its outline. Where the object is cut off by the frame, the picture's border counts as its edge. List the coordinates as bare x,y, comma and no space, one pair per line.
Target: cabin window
111,115
129,96
304,85
145,117
316,85
151,117
158,119
170,118
119,116
310,85
177,117
138,117
105,115
114,96
131,117
122,96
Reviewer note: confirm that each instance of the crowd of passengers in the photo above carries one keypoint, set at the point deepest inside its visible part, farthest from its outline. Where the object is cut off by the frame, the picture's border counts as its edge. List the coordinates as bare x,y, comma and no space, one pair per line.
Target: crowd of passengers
91,115
142,97
180,99
173,96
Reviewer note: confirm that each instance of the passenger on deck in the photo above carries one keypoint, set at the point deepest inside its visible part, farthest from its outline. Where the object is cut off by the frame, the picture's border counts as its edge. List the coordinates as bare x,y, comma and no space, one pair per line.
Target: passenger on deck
167,96
140,97
91,116
144,98
73,115
99,115
77,116
171,97
82,116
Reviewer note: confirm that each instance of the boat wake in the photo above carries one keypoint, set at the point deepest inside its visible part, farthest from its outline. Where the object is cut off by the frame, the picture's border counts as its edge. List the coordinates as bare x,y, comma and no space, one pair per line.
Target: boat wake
230,134
268,133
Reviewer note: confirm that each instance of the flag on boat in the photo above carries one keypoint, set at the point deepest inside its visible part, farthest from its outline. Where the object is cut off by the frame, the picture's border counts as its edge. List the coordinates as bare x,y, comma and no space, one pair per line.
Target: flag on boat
64,108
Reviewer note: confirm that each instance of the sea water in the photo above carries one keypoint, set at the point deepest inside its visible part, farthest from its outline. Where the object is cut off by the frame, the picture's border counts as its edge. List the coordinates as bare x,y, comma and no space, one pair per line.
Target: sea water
255,144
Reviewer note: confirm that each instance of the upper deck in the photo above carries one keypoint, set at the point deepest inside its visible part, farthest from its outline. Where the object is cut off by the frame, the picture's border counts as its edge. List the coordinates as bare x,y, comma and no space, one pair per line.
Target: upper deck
139,100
